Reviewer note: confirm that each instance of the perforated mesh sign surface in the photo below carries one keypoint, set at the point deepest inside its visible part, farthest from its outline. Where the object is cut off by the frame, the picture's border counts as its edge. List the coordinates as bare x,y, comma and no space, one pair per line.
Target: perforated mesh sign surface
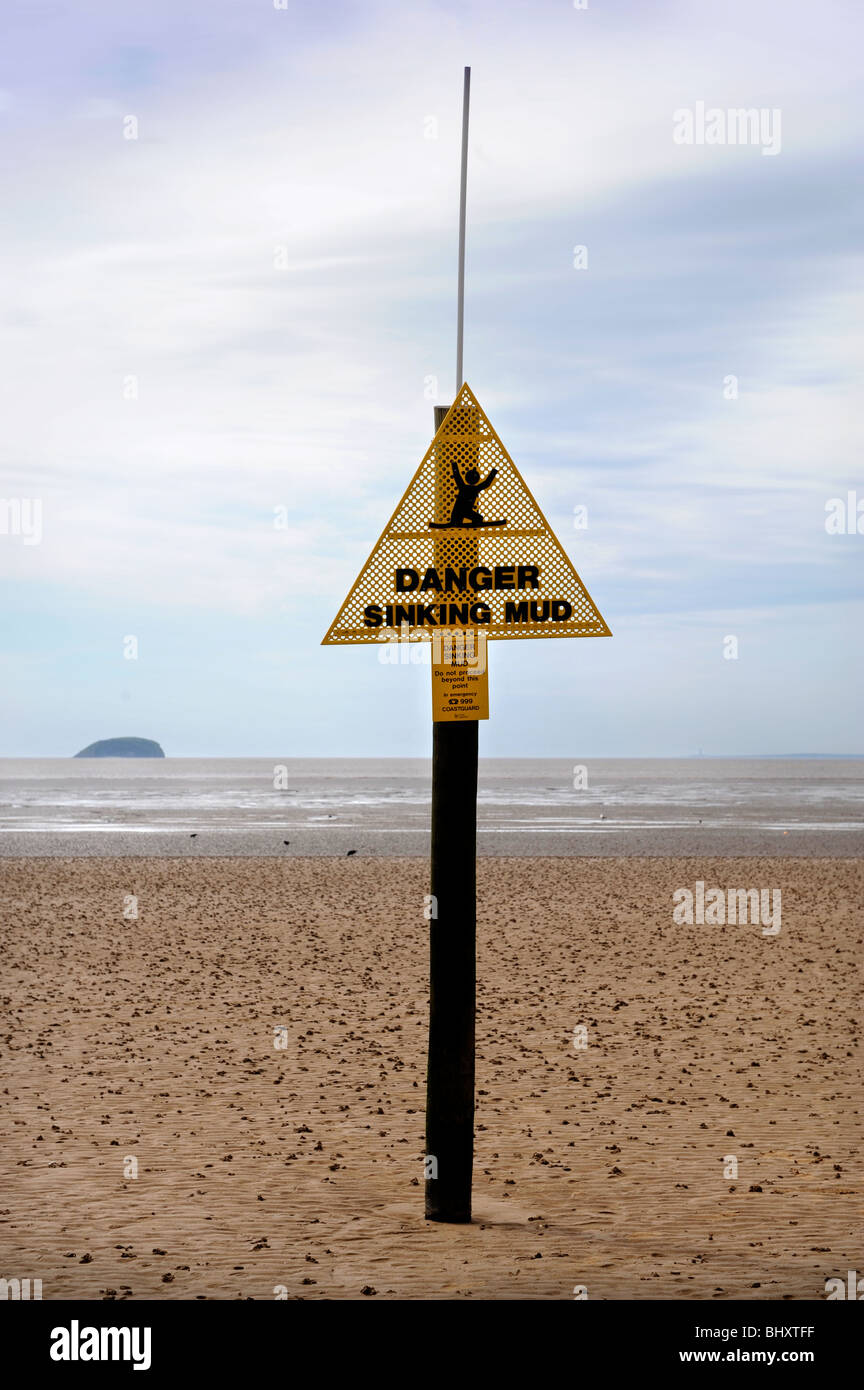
467,547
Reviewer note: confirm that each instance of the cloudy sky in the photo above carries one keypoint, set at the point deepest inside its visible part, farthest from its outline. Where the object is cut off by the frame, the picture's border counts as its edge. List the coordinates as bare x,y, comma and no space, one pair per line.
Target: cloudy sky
229,245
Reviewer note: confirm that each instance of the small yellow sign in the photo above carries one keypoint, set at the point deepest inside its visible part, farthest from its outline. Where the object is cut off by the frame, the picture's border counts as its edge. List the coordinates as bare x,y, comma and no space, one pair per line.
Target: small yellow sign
460,691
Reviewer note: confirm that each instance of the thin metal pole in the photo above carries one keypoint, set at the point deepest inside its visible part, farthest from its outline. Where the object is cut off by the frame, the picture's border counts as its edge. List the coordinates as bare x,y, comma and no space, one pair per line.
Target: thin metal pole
463,192
453,927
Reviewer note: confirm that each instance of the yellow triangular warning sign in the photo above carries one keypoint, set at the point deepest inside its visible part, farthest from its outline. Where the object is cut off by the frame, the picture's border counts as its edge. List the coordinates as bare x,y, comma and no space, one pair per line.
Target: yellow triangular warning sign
467,548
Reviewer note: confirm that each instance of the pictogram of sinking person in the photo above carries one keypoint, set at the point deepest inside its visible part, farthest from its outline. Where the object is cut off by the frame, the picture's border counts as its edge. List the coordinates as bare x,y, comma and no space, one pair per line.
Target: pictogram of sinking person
468,489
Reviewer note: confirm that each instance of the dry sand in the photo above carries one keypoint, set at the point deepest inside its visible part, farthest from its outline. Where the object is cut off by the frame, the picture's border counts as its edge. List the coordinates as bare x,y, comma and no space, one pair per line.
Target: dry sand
300,1168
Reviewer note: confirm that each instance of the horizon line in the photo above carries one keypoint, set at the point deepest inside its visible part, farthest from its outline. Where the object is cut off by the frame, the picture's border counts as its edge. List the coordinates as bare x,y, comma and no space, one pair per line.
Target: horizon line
427,757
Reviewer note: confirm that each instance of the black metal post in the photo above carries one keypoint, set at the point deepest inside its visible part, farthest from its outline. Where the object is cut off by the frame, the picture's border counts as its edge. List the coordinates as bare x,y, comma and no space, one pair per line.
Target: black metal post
452,969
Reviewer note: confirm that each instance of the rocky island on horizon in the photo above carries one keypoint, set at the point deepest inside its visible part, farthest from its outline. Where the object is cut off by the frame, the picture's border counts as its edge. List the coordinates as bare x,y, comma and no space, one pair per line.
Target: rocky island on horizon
122,748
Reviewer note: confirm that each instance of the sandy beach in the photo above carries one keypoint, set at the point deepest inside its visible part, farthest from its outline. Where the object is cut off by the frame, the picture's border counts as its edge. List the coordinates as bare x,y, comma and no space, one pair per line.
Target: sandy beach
254,1044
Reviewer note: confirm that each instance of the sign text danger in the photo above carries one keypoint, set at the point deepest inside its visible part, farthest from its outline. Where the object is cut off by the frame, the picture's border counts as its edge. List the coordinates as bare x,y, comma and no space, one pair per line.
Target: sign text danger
461,580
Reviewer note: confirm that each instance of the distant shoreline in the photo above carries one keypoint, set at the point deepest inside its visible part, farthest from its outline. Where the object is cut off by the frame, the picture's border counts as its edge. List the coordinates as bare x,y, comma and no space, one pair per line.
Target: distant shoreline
425,757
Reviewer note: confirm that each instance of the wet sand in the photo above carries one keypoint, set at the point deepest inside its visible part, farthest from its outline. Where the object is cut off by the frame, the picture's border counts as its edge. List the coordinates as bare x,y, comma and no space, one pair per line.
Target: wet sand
401,840
296,1170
